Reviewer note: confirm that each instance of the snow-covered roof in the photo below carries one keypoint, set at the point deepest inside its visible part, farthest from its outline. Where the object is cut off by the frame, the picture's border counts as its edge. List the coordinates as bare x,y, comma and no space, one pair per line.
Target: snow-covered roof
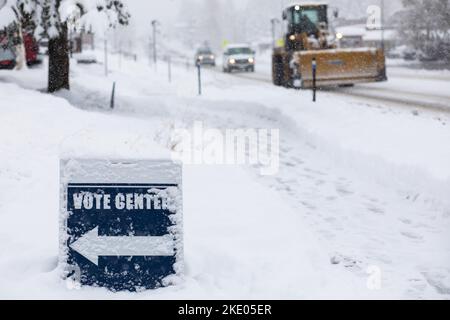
366,34
353,30
238,45
373,35
306,4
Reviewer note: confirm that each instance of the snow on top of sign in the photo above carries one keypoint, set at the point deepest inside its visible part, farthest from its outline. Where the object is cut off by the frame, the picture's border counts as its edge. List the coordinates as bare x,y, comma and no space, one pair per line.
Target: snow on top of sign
127,170
120,143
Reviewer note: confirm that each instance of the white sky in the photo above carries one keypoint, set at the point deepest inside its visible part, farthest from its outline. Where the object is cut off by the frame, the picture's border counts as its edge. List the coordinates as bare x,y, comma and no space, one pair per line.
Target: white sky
166,11
144,11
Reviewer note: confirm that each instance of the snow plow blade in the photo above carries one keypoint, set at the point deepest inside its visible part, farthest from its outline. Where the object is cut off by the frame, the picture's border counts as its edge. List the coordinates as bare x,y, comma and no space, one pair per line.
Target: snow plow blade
340,67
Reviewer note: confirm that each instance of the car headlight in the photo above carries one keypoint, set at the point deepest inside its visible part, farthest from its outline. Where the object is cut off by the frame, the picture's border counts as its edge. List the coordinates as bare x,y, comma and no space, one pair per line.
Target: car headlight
211,56
232,61
200,58
292,37
251,60
339,36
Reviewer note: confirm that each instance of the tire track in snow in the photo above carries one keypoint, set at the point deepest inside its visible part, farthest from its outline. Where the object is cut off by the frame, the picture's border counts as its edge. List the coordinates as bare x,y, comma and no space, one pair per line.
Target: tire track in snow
361,222
364,92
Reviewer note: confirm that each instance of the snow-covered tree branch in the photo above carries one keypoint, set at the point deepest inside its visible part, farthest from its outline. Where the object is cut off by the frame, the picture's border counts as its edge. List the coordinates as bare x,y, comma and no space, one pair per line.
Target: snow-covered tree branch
427,26
50,18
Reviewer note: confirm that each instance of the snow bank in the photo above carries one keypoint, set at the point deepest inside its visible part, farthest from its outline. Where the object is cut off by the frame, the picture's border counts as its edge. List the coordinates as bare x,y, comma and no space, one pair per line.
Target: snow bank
236,246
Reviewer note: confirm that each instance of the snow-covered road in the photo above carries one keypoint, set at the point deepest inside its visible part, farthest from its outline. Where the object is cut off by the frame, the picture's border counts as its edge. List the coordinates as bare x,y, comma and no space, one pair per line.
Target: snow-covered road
364,184
416,90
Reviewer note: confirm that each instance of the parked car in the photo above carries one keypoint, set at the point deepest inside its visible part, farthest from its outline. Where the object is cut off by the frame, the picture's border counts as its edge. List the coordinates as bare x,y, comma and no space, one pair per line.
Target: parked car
31,49
7,58
43,47
9,42
397,52
205,56
238,57
85,58
410,55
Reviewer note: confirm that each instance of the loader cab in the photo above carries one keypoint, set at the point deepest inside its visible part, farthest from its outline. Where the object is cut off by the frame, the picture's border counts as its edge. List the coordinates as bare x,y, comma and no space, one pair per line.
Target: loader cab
304,20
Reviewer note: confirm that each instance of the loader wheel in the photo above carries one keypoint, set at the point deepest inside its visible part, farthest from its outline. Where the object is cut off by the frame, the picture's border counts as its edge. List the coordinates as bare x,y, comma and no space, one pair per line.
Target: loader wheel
278,70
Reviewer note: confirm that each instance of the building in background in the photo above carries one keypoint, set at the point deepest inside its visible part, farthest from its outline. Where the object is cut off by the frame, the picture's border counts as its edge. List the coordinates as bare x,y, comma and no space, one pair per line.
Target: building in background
359,35
83,40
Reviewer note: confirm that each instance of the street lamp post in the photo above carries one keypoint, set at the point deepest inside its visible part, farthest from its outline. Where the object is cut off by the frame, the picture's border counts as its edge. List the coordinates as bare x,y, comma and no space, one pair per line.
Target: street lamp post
382,26
106,54
155,57
274,21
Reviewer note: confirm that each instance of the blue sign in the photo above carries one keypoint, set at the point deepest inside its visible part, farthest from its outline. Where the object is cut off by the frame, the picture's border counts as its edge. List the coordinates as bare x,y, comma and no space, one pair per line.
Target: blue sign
122,236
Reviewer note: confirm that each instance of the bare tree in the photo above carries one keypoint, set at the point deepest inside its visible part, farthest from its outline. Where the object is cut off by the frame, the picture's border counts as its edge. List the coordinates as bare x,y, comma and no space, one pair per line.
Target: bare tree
426,27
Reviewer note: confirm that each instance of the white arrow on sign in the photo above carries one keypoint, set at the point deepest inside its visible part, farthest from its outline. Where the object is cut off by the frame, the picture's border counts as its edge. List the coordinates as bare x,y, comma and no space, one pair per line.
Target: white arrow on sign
92,246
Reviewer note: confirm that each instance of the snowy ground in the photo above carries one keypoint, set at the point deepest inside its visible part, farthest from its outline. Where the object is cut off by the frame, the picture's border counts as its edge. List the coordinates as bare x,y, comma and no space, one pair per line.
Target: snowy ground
362,184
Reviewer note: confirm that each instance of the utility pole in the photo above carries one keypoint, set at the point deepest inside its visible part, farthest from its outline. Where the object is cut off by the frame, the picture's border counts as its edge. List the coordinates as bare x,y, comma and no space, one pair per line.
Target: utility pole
120,55
382,26
199,74
169,68
274,21
106,55
155,57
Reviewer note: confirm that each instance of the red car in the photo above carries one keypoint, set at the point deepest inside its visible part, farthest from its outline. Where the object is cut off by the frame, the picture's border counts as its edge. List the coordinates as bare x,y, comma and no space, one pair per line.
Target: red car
31,49
8,57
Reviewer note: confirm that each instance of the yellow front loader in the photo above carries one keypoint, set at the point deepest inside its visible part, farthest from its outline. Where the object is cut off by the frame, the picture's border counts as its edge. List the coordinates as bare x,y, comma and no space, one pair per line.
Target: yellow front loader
309,38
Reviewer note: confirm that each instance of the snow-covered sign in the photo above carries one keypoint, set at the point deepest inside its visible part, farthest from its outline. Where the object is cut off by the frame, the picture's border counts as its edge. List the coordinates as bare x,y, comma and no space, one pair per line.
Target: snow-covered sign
121,225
